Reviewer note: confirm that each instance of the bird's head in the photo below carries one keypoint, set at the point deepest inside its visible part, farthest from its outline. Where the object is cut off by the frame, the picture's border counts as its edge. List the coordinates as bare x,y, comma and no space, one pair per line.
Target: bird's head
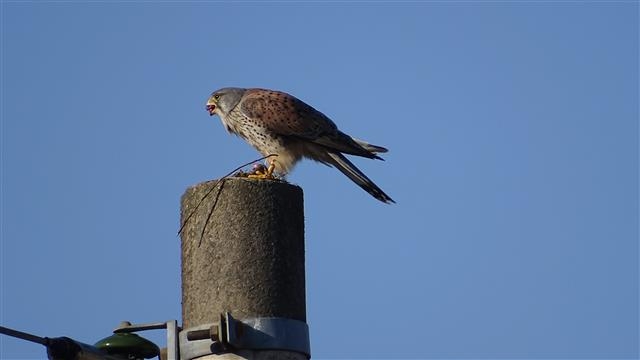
222,101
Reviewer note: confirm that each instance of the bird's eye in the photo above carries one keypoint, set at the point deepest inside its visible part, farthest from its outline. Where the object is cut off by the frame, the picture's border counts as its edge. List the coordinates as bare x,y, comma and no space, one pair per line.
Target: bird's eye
216,96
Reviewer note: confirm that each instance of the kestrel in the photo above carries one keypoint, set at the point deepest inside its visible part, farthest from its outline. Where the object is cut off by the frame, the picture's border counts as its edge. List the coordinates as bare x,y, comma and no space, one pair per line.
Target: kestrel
277,123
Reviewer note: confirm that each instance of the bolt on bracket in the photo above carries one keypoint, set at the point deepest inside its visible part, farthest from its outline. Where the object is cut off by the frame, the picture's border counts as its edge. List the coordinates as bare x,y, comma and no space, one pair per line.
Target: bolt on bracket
266,333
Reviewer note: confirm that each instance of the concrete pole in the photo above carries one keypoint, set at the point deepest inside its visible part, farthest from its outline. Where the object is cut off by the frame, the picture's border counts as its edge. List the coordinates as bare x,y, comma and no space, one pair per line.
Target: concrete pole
250,260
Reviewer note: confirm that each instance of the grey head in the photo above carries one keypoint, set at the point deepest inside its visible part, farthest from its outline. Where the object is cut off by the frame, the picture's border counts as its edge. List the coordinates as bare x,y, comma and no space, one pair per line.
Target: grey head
222,101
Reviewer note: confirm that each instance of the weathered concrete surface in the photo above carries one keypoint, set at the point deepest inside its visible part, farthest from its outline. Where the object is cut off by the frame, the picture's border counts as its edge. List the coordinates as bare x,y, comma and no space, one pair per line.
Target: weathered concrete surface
250,260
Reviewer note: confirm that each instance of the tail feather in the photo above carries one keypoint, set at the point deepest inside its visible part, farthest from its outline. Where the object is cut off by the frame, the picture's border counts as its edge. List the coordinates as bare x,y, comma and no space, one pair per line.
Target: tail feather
352,172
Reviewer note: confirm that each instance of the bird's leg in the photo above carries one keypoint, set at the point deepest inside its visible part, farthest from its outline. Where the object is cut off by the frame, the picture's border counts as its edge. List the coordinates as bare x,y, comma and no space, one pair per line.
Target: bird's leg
272,166
265,175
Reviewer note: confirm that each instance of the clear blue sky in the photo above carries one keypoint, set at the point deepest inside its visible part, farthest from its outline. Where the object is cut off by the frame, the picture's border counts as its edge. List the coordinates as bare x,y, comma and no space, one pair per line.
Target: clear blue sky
513,137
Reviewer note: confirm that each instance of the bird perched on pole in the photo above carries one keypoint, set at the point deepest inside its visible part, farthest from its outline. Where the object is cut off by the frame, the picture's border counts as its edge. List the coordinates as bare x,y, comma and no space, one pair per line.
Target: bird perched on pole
277,123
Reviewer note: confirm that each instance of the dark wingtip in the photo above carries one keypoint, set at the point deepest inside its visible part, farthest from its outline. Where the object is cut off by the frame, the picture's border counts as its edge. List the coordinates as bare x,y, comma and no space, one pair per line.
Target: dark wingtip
380,149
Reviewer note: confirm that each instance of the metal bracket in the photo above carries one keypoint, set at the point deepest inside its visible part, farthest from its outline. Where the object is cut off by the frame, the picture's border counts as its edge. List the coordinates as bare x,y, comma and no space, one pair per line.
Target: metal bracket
267,333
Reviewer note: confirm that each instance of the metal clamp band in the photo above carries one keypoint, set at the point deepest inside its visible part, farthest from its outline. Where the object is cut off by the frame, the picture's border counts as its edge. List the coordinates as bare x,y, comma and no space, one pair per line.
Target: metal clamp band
266,333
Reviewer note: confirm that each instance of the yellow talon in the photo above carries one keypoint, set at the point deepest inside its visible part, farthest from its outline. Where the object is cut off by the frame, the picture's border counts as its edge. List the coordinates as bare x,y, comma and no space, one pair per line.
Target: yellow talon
265,175
261,176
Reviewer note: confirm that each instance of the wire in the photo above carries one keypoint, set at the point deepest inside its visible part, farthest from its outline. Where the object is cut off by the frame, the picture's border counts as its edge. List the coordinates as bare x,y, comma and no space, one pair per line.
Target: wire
216,200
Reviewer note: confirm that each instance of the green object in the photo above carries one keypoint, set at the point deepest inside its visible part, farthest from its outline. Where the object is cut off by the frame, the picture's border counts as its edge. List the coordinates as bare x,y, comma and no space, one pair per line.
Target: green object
129,345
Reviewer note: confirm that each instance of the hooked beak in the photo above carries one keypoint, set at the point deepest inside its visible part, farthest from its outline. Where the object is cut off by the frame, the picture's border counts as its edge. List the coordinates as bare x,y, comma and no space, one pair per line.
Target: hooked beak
211,108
